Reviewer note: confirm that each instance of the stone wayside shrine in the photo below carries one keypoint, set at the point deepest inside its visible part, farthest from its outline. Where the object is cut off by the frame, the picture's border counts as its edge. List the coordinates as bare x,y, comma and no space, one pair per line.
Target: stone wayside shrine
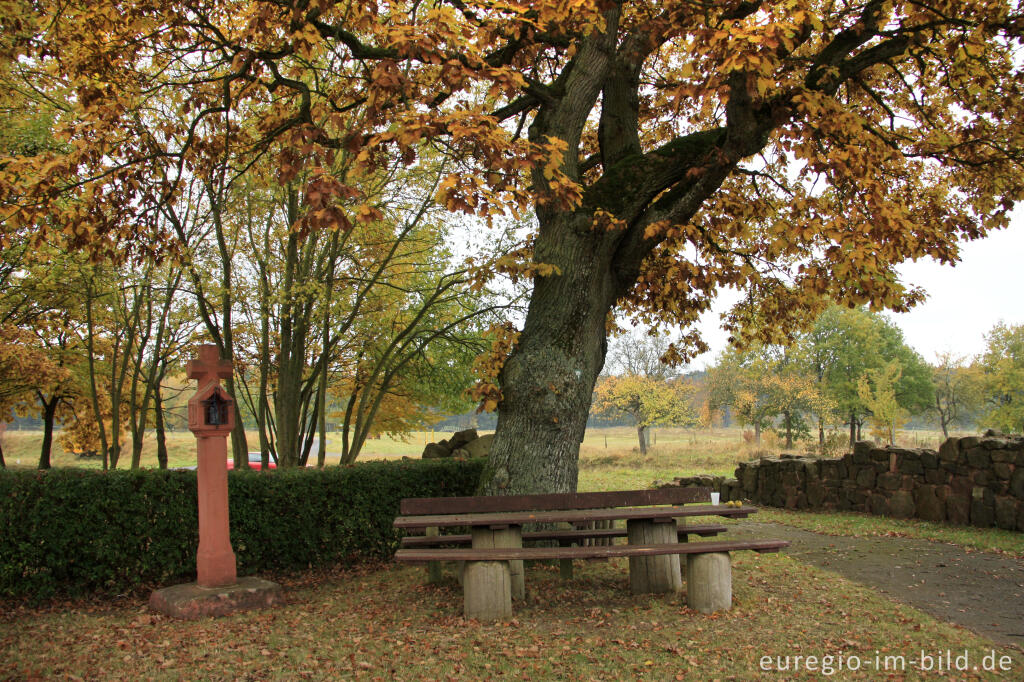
217,590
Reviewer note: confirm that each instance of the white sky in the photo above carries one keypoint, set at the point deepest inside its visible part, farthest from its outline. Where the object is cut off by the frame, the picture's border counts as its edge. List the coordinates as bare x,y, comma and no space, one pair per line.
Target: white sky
964,302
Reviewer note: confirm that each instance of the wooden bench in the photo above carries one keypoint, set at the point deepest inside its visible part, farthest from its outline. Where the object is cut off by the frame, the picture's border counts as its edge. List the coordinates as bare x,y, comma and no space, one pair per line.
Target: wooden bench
493,565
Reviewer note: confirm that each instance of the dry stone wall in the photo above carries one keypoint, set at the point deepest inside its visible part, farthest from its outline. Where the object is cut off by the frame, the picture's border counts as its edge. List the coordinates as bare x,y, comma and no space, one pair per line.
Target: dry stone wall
970,481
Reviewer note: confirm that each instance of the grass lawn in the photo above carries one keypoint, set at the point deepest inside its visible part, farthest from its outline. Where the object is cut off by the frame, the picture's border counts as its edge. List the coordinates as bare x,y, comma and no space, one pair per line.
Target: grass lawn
383,623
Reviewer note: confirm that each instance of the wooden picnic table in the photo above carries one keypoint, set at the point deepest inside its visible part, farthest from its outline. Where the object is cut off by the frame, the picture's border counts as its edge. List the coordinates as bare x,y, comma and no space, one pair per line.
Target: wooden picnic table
644,526
655,524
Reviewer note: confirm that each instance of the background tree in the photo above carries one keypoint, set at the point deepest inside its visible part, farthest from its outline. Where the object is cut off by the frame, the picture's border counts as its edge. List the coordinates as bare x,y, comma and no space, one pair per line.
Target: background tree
25,368
844,345
766,386
877,391
1002,367
646,401
957,391
640,353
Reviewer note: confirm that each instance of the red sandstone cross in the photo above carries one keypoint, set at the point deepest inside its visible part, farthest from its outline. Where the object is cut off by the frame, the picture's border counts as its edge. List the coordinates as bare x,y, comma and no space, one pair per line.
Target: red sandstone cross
215,561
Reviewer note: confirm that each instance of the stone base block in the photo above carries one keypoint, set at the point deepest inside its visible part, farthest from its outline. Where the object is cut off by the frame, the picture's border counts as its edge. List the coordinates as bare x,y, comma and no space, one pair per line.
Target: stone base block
190,601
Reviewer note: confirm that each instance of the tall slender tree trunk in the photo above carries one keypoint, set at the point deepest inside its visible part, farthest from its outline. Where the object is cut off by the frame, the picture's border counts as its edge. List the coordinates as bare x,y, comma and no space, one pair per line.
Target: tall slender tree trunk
158,420
943,421
325,355
262,407
93,388
789,429
49,411
853,428
757,432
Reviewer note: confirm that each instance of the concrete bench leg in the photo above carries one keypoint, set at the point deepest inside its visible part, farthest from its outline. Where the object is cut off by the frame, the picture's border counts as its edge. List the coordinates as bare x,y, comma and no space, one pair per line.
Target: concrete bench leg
565,565
487,590
433,567
653,574
485,538
565,568
682,557
709,582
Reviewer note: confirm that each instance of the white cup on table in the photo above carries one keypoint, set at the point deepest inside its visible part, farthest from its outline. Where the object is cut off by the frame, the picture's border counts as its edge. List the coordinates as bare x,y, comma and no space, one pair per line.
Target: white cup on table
715,497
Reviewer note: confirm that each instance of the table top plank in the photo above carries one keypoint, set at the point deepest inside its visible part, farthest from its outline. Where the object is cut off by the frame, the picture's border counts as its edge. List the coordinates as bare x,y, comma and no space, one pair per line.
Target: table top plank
418,506
570,515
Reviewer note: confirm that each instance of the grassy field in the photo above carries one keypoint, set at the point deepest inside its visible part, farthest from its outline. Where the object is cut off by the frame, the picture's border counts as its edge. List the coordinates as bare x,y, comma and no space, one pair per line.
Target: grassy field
674,452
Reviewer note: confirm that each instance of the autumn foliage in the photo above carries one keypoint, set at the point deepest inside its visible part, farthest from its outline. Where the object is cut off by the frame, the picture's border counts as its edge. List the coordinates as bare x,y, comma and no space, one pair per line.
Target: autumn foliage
796,150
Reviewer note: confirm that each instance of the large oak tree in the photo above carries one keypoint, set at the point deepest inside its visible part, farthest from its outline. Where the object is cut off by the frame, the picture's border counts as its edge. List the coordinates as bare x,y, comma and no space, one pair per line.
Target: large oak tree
797,150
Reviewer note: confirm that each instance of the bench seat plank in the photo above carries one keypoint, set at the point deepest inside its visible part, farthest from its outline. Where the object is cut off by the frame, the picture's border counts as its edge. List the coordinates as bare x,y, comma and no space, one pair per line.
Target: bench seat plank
537,553
704,530
562,516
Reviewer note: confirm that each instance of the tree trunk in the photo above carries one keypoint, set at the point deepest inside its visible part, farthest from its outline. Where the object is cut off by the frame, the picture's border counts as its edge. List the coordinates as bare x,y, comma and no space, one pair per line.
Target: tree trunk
943,422
860,423
789,429
757,432
158,423
853,428
239,446
642,436
93,388
49,410
548,380
138,439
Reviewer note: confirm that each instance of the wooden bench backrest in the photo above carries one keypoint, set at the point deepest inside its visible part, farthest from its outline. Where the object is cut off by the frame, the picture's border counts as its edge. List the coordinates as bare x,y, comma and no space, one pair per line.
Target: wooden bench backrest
417,506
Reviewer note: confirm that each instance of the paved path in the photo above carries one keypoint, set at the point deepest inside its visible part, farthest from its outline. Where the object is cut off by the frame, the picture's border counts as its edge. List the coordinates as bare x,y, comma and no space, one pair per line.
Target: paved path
979,590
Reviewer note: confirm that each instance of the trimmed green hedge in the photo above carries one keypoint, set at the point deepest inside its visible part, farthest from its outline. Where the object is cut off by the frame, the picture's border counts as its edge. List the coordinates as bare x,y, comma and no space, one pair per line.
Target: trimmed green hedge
74,531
